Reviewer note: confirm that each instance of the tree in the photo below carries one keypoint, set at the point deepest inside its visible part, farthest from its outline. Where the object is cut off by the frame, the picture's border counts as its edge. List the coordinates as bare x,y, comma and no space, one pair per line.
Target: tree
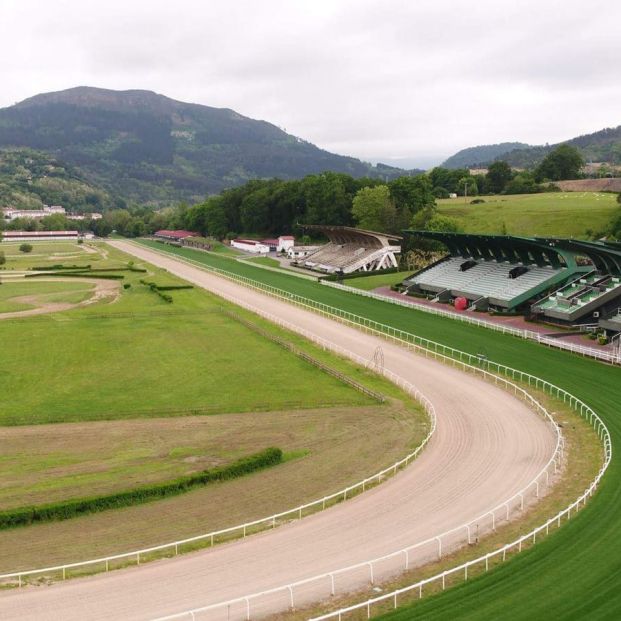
467,186
25,248
498,175
564,162
618,201
410,195
373,209
2,255
522,183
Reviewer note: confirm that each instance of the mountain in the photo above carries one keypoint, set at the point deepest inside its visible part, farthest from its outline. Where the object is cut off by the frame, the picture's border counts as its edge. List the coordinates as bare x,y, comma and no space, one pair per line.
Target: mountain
148,148
600,146
472,156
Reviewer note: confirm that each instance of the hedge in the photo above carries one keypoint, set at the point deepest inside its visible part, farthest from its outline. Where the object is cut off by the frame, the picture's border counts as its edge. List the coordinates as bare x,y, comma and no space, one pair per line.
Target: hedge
60,267
77,275
64,510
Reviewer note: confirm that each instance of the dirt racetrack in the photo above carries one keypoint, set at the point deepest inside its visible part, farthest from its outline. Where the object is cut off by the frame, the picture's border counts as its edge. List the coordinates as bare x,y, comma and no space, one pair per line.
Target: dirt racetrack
487,446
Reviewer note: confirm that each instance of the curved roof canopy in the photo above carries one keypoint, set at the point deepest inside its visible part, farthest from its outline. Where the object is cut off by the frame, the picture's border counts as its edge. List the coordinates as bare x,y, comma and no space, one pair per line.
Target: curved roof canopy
525,250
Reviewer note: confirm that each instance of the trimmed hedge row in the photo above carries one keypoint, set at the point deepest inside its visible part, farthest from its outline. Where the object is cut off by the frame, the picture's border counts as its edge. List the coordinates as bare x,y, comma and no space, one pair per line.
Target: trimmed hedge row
337,277
59,266
77,275
72,508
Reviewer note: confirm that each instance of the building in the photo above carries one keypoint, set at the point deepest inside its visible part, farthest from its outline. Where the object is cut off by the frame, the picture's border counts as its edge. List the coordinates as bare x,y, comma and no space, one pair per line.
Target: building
299,252
28,236
352,250
34,214
280,244
173,235
84,216
251,245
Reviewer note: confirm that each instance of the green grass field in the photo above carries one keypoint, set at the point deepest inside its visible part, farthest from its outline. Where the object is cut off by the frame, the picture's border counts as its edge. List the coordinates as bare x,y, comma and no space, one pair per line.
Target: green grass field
554,214
573,574
368,283
264,261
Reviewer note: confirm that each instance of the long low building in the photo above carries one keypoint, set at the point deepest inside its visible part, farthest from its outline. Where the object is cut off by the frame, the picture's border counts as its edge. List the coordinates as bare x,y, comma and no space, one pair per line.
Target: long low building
24,236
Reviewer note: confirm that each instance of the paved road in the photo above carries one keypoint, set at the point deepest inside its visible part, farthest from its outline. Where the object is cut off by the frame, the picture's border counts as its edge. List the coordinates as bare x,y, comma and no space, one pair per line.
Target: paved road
487,446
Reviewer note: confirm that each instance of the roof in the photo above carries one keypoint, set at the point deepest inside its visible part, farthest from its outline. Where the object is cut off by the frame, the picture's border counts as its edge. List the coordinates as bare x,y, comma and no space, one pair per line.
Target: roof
287,237
174,234
270,242
250,242
605,255
348,234
524,250
6,234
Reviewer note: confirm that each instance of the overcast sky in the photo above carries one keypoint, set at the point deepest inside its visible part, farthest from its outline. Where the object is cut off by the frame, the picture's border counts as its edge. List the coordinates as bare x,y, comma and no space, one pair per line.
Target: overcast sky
380,80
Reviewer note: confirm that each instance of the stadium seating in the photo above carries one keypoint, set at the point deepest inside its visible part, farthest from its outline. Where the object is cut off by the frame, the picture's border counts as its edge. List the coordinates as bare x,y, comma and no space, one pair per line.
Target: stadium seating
350,250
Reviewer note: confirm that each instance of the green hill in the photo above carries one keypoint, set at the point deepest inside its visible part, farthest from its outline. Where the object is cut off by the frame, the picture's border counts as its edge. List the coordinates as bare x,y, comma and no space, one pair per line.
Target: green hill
472,156
149,148
601,146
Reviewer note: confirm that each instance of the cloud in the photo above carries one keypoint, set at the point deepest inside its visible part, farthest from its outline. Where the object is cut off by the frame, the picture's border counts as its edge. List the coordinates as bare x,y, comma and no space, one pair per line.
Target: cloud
392,79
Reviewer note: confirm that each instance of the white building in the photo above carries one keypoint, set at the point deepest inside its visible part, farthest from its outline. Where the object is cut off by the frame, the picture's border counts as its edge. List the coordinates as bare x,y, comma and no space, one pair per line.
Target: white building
285,242
12,214
250,245
299,252
28,236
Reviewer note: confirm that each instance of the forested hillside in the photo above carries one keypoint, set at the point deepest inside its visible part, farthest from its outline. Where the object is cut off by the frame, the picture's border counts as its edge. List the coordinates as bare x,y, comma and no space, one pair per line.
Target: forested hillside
147,148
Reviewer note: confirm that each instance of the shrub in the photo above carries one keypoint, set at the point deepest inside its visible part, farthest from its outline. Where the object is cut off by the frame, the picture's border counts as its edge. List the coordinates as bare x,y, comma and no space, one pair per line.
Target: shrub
2,258
602,339
80,241
477,201
25,248
126,285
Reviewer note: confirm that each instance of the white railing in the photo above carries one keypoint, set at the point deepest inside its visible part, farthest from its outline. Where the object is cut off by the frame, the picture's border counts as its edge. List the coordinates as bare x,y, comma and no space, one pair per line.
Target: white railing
456,358
241,530
611,357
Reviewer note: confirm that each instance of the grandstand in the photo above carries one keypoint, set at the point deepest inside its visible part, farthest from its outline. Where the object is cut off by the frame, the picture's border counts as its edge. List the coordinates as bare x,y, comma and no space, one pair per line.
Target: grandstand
352,250
494,271
595,297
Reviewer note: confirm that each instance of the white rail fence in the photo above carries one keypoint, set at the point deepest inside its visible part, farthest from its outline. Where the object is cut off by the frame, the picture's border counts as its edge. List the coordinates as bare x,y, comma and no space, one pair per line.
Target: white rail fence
612,357
272,599
241,530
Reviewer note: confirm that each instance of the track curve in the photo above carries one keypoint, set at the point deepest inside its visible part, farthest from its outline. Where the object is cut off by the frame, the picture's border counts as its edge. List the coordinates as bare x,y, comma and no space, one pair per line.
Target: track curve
487,446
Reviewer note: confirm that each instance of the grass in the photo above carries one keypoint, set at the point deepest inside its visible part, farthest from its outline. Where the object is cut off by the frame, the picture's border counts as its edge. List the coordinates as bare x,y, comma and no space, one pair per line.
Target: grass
564,214
44,253
218,246
137,366
574,573
264,261
368,283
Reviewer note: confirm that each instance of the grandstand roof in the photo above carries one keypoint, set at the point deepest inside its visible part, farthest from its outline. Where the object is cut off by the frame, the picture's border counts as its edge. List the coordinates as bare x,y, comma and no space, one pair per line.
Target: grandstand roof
524,250
606,256
347,234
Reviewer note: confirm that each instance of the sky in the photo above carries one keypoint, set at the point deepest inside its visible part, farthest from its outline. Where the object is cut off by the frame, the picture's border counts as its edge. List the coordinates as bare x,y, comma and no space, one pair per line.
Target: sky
407,82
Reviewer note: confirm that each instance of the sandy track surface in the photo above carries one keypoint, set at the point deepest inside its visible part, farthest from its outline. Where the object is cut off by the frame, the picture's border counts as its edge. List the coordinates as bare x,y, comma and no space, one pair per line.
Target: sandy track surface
103,289
487,446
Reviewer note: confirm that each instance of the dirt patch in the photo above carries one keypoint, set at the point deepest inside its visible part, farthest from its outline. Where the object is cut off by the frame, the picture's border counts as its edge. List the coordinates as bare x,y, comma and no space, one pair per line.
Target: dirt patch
591,185
104,290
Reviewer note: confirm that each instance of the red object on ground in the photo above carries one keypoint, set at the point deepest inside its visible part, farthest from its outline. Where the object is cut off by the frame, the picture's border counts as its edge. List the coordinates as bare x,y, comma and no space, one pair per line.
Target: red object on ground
461,304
